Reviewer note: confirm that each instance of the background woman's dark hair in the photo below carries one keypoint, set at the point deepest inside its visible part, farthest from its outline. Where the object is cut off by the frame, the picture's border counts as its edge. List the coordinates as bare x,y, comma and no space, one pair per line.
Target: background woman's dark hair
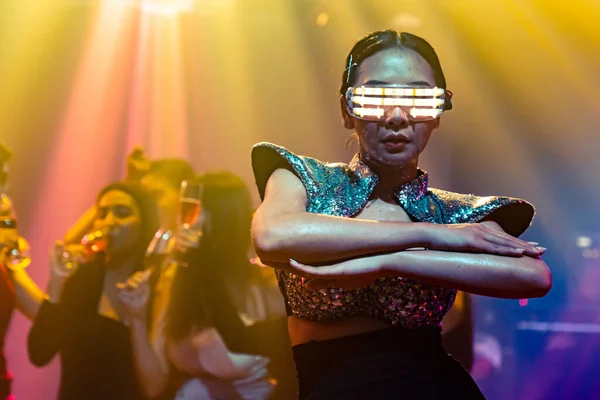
148,213
200,295
383,40
173,170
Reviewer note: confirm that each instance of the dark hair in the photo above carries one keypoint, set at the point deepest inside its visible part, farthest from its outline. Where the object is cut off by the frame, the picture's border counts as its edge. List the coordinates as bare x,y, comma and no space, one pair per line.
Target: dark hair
173,170
383,40
148,213
200,295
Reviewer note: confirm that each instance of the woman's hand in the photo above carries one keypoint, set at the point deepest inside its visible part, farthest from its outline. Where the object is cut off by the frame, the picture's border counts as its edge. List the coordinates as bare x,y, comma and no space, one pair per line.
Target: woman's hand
253,366
134,294
187,238
64,262
483,237
138,164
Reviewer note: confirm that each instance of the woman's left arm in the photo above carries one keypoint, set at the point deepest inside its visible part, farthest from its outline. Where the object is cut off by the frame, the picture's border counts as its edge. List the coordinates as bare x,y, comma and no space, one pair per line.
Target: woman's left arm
151,373
483,274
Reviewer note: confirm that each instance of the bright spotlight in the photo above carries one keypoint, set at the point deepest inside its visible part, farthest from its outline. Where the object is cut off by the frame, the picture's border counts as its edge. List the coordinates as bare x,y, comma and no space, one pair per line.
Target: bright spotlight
584,242
166,7
322,19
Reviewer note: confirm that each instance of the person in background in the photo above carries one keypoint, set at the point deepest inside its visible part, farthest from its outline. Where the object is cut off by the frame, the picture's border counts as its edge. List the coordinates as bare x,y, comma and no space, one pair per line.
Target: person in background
457,330
17,289
160,177
83,319
208,299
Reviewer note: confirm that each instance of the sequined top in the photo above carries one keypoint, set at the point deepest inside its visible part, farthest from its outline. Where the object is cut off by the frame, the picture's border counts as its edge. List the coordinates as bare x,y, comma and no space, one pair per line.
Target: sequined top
343,190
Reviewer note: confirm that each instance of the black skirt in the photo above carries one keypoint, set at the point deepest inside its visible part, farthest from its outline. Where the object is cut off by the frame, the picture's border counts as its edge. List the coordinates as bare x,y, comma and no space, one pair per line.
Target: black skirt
391,363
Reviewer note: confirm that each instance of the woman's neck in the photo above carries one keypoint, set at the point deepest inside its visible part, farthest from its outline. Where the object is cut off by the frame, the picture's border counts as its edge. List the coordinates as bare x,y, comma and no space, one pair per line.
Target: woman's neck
391,177
120,269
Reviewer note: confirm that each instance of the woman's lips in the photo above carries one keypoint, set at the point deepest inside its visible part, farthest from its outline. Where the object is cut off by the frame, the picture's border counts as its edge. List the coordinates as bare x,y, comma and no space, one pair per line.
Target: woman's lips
395,144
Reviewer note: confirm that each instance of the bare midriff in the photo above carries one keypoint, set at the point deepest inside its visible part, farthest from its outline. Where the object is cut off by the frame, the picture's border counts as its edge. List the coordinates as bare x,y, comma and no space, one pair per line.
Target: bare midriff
304,331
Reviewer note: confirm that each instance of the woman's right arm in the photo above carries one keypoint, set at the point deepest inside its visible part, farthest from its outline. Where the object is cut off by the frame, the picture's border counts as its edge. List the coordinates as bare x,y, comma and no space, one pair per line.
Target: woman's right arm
204,353
83,225
283,230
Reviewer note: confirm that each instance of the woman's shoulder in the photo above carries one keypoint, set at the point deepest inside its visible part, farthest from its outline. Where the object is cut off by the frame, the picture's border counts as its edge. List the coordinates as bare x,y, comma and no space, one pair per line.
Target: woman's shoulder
267,149
513,214
314,173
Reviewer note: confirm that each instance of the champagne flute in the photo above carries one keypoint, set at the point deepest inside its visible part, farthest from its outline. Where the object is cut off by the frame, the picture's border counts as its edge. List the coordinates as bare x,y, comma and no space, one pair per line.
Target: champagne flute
188,215
190,204
189,207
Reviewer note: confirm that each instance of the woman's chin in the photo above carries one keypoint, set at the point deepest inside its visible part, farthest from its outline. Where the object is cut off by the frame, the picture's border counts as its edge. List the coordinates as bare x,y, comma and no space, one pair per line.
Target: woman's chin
394,160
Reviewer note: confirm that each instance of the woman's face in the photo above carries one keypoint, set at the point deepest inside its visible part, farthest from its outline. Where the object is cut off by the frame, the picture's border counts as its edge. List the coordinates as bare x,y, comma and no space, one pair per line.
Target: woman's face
394,141
120,216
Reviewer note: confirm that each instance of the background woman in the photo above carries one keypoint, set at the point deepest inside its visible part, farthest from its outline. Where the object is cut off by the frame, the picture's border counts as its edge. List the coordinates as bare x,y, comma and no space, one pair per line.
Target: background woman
83,320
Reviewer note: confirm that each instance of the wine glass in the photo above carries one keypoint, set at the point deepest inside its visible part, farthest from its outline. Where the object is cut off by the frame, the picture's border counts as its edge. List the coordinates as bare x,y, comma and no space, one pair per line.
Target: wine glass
18,249
93,243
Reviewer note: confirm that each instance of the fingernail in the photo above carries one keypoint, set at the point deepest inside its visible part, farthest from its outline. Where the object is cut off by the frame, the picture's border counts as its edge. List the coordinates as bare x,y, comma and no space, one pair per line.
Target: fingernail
540,248
533,243
520,250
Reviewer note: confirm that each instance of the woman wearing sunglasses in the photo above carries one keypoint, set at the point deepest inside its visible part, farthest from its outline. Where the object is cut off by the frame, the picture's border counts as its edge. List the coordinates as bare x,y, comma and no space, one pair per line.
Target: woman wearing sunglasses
369,257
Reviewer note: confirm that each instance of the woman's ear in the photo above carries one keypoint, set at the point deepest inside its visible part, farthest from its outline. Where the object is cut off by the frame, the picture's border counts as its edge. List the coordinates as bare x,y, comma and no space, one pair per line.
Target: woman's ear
346,118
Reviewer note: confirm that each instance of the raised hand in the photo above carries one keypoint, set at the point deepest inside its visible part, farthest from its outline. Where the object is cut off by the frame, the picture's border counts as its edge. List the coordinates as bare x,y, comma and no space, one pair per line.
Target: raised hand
65,259
138,164
135,293
64,262
187,238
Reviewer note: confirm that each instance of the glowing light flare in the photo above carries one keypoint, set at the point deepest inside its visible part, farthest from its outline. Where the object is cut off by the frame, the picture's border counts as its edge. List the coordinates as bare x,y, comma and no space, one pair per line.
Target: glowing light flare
395,101
425,113
592,254
380,112
584,241
322,19
168,111
166,7
390,91
88,135
368,112
523,302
